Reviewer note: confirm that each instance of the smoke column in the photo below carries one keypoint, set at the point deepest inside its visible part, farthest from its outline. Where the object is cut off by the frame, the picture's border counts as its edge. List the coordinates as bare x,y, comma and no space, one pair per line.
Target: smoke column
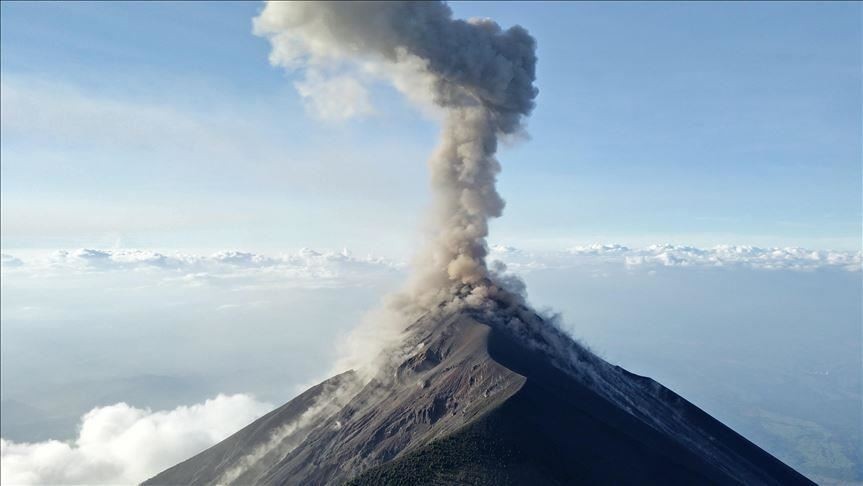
479,79
479,75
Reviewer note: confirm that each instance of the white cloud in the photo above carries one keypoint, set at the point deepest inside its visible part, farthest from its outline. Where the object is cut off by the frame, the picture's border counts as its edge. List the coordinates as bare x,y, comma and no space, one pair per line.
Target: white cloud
312,269
790,258
120,444
599,249
305,269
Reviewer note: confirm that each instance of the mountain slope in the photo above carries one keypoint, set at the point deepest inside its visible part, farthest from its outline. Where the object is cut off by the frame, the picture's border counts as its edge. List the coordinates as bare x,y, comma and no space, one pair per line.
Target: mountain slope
468,402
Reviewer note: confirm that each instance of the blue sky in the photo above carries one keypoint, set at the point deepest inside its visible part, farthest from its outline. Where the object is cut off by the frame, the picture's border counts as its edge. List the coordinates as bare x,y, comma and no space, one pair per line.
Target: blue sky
162,125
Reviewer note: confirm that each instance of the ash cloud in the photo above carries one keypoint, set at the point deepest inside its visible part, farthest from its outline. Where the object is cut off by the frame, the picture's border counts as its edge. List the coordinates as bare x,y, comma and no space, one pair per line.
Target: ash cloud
479,78
479,75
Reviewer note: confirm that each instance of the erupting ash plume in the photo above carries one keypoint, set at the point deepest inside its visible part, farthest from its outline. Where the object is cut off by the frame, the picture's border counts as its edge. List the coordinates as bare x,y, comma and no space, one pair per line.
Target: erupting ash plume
478,74
459,356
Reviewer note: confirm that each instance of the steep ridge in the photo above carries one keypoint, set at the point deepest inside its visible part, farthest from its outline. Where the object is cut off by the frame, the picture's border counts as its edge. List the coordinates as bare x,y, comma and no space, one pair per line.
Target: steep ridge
211,464
467,402
555,430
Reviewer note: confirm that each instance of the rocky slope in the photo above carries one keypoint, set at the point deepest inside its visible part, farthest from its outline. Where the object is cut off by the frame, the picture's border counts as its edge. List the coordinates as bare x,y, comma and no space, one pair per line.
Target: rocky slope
468,400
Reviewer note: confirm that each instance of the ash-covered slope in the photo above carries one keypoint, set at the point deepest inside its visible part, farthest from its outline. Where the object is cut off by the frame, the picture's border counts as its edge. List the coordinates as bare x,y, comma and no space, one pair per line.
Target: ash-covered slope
470,399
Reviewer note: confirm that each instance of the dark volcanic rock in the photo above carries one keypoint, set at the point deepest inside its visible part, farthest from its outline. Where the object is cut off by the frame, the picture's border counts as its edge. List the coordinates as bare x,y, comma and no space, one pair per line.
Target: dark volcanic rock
467,403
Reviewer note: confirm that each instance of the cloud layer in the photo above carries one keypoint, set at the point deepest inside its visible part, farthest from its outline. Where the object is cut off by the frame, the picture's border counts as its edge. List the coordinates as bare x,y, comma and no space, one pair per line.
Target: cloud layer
305,268
197,300
665,255
120,444
313,268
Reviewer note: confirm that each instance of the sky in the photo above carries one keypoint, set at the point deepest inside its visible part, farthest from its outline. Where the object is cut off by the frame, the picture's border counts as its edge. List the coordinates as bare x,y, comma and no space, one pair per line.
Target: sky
188,240
133,125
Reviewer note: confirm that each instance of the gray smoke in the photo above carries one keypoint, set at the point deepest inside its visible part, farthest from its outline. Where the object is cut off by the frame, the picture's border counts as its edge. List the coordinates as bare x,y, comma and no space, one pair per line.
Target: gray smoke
480,77
478,74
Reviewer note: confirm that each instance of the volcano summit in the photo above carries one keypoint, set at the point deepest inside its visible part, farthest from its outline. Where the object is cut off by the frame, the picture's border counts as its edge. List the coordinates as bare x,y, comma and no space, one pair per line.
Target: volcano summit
473,400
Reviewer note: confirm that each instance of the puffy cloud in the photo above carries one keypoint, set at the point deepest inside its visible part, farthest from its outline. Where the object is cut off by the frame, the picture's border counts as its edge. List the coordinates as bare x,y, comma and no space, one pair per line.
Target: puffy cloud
308,268
305,268
120,444
599,249
504,250
93,259
791,258
242,259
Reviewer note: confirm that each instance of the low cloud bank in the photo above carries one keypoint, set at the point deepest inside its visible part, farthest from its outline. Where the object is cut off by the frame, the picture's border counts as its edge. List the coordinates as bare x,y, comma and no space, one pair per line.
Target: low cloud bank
308,264
121,444
305,268
665,255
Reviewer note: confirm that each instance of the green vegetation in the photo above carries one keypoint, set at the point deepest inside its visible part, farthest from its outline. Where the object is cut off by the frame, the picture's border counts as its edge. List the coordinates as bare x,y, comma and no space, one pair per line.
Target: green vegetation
812,446
475,456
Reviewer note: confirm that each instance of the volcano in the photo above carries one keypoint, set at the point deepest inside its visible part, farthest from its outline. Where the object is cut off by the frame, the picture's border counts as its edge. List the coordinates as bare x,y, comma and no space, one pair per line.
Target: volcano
478,389
468,397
